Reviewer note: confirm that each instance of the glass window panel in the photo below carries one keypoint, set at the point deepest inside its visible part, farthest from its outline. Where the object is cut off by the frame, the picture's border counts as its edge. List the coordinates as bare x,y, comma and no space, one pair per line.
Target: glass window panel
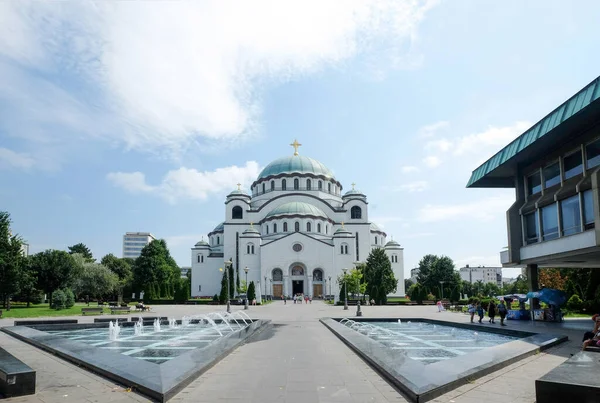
551,175
573,165
593,154
571,215
531,227
534,184
588,208
549,222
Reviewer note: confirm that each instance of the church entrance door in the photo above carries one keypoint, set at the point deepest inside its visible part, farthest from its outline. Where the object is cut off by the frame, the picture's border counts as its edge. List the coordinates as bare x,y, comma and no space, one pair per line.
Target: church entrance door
277,290
298,287
317,290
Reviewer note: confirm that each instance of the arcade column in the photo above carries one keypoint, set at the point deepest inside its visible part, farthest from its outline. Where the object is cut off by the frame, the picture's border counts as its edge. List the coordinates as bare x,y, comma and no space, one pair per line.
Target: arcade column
532,273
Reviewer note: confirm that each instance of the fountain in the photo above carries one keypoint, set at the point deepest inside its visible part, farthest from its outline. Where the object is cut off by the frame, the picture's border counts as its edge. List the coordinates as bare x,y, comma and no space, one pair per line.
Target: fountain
113,330
399,321
453,332
185,321
172,323
156,325
476,336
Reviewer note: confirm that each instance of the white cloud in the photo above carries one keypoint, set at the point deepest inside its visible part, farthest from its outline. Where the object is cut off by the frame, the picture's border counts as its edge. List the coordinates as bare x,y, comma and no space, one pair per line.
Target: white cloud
441,145
11,159
432,161
417,235
430,130
186,184
493,138
163,75
409,169
413,187
485,209
382,221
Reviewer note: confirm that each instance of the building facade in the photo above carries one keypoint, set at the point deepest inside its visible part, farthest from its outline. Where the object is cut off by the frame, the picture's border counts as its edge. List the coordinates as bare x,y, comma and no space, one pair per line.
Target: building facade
134,242
554,168
295,233
414,275
484,274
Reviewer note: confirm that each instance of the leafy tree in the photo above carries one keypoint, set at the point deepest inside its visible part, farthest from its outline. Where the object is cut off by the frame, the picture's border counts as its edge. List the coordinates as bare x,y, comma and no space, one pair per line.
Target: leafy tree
155,271
343,288
251,291
243,287
182,290
59,300
433,269
407,284
122,268
70,298
96,280
455,293
552,278
232,286
354,281
379,276
55,269
574,303
82,250
11,260
223,294
417,293
28,283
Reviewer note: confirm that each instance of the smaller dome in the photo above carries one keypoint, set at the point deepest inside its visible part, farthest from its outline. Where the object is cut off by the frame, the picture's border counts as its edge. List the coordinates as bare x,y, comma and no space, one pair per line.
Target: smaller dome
342,231
220,227
251,231
297,208
202,243
392,244
353,192
238,192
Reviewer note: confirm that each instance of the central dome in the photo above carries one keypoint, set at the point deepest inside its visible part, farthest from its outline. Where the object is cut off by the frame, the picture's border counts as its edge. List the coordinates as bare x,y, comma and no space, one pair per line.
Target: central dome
297,208
295,164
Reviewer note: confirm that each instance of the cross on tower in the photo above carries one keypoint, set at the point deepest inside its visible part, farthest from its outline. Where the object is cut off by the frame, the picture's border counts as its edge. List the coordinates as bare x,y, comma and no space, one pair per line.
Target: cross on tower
295,144
238,185
342,224
353,184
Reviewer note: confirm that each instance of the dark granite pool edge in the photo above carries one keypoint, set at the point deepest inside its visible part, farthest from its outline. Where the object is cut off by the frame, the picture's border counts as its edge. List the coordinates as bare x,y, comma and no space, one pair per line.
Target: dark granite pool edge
155,383
401,379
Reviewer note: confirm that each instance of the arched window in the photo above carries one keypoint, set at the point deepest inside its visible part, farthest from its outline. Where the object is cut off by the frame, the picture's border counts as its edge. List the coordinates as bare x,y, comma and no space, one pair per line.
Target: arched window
308,227
263,187
319,228
277,275
297,226
320,185
308,184
356,213
285,227
267,229
218,240
375,240
237,213
296,184
318,275
329,187
326,228
275,228
344,249
297,271
283,185
250,249
272,185
200,258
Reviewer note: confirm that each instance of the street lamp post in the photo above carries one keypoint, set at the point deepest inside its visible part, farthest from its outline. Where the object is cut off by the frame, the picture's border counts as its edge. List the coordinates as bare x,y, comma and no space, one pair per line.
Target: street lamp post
442,283
345,291
246,303
329,286
265,286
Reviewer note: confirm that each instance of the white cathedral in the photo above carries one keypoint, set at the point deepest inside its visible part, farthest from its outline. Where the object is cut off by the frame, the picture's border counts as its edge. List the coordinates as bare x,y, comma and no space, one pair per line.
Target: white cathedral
295,234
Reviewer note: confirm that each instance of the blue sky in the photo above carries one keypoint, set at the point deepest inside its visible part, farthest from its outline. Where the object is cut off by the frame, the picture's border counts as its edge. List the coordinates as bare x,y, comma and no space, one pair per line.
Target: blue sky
142,116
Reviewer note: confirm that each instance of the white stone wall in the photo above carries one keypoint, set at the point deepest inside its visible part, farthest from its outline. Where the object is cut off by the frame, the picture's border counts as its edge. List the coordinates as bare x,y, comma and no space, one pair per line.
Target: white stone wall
206,275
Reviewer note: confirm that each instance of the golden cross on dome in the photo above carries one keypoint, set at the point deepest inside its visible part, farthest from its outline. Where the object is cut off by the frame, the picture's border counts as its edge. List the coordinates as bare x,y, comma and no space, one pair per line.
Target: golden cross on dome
239,184
251,225
295,144
353,184
342,224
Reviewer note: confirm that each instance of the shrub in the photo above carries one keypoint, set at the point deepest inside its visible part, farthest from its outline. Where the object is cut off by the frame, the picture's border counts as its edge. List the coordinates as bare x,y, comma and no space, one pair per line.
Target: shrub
70,298
59,300
216,297
251,291
574,303
430,297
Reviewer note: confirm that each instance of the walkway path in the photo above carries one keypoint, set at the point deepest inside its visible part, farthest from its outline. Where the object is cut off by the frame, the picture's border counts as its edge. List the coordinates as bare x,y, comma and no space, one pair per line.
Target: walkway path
298,361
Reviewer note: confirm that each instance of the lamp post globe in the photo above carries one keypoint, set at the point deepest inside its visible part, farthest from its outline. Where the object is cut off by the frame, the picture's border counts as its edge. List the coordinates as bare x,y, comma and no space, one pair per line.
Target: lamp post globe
345,290
227,264
246,269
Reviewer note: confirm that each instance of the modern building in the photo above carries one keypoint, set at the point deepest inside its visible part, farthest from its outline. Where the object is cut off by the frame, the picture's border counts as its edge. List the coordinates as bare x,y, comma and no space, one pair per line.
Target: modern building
25,249
554,168
295,233
184,271
484,274
134,242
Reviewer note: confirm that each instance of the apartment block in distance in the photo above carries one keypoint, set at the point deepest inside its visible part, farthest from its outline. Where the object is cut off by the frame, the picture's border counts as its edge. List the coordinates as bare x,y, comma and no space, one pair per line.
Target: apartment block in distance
481,273
134,242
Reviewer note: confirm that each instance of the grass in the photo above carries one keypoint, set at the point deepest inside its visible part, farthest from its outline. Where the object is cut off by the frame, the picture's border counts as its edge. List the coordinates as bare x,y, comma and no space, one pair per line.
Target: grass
398,299
577,315
40,310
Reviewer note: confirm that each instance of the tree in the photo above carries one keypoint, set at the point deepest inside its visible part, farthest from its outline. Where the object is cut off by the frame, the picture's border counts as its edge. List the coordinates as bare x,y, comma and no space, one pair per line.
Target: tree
82,250
122,268
379,276
182,290
11,260
354,280
552,278
232,286
434,269
55,269
223,294
95,280
251,291
28,282
407,284
155,271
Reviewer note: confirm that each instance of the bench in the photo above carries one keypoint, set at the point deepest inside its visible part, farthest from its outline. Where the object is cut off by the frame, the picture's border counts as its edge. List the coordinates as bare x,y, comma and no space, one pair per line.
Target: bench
16,378
410,303
91,310
575,380
44,322
592,349
106,320
116,309
428,302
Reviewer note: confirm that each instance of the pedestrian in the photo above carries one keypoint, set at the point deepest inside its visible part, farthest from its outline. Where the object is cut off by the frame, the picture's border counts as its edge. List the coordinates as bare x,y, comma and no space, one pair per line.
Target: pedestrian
295,297
502,311
471,309
310,300
480,311
492,311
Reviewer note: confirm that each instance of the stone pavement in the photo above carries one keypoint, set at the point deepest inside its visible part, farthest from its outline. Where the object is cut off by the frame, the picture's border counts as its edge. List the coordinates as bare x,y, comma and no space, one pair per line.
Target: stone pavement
299,360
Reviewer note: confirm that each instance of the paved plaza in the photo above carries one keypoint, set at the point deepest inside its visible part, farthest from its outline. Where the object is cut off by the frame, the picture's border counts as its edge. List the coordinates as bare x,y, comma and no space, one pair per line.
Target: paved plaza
298,360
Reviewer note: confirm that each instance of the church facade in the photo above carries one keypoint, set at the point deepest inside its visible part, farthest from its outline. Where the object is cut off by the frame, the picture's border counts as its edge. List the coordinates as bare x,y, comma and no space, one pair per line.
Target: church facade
295,233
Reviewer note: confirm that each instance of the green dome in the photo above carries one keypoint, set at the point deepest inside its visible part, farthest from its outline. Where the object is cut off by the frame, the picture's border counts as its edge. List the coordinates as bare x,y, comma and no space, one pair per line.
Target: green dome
295,164
353,192
297,208
391,244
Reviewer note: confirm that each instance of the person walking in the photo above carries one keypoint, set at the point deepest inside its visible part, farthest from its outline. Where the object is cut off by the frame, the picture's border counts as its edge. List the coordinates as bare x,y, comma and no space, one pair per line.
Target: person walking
492,311
295,298
471,310
502,311
480,311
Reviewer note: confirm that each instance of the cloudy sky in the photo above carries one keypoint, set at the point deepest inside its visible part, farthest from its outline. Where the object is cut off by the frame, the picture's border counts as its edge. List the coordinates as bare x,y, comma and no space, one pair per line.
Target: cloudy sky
143,115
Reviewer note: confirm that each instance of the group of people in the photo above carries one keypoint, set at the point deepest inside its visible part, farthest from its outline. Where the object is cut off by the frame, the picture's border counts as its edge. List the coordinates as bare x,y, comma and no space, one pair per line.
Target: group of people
492,310
592,339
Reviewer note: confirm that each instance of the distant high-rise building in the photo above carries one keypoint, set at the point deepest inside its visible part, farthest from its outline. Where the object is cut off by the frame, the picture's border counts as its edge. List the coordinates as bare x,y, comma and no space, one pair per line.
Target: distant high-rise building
485,274
134,242
25,249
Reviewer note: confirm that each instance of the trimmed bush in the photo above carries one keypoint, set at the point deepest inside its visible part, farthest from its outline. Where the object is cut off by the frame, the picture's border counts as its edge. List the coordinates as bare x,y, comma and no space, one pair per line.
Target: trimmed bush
70,298
574,303
59,300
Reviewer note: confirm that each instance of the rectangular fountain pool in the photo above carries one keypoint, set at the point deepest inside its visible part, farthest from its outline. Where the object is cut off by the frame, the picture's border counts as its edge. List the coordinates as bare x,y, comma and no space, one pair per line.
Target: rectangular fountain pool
429,343
156,346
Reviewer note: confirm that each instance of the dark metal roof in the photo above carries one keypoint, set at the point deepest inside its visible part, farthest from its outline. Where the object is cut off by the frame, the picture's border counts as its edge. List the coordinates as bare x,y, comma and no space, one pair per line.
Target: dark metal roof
563,121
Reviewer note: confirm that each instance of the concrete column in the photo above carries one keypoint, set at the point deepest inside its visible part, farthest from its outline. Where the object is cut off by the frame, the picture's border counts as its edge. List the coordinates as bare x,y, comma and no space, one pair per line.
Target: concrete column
533,284
310,286
286,286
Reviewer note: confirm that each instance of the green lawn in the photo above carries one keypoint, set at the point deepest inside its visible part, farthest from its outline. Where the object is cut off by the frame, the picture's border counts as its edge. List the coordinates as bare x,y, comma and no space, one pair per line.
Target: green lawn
577,315
398,299
40,310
